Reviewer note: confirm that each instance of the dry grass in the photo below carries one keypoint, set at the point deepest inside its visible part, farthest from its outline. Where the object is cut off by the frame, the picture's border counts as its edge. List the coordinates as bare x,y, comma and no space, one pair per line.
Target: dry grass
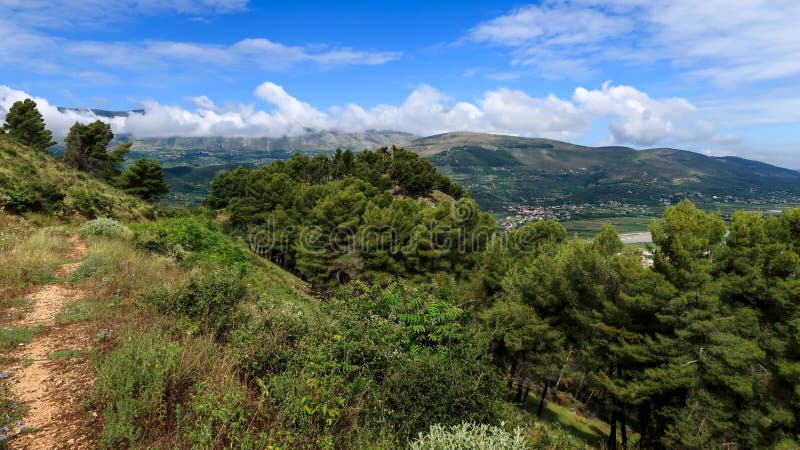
123,272
28,260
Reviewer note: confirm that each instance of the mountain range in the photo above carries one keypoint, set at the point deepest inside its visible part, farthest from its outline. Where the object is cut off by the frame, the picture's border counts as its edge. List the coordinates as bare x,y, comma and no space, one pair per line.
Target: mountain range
499,171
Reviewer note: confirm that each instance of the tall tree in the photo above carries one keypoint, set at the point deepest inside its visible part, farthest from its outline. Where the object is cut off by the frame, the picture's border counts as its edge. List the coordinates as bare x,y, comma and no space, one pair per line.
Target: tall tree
25,124
86,150
144,179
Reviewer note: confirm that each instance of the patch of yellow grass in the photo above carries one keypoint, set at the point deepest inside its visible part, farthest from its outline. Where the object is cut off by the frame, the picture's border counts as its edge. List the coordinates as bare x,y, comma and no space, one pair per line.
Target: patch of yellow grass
30,260
127,271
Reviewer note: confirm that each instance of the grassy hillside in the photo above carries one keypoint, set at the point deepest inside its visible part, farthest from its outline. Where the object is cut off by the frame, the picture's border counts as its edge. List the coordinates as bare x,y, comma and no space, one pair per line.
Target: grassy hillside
32,181
502,170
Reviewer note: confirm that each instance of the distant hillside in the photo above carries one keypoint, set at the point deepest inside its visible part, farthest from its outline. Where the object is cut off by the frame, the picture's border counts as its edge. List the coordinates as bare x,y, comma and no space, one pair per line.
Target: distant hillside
309,142
497,170
32,181
191,163
500,170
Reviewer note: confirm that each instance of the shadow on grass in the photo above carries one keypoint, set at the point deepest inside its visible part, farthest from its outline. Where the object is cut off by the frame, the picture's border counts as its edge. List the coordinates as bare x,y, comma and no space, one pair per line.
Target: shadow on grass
570,422
589,430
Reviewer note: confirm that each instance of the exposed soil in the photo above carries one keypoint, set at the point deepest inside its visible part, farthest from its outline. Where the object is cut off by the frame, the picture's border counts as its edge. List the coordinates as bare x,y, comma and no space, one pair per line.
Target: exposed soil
53,390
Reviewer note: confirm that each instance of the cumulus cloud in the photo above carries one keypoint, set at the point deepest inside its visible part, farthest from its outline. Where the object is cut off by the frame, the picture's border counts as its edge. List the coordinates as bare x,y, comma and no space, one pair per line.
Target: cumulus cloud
634,116
642,120
727,42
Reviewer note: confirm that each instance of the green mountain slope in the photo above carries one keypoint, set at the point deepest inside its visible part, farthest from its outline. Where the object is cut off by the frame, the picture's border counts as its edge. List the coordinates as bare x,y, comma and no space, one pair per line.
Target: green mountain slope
36,182
503,170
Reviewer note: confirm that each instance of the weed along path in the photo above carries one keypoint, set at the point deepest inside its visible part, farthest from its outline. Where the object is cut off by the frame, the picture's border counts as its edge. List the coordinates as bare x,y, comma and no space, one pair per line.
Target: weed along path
52,374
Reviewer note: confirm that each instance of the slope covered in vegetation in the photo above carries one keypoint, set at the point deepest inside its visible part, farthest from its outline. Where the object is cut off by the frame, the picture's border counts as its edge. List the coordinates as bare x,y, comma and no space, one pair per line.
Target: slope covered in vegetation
421,323
503,170
33,181
694,352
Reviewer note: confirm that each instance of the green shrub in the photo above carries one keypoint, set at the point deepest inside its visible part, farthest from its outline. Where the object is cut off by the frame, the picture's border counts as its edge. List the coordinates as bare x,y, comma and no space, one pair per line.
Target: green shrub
209,299
217,417
191,239
446,387
88,205
468,436
134,384
104,227
35,196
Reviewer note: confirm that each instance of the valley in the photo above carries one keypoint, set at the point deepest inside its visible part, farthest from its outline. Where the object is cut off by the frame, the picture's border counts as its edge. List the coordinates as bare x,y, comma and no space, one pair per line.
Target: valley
515,179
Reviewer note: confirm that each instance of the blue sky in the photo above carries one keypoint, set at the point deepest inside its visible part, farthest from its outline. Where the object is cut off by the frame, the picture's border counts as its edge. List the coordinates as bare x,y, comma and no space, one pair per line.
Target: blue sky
718,76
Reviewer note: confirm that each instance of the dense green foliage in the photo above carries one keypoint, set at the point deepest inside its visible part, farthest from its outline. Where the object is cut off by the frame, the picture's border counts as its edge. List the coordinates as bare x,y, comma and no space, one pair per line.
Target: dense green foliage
144,179
86,150
691,354
25,124
374,215
190,239
373,365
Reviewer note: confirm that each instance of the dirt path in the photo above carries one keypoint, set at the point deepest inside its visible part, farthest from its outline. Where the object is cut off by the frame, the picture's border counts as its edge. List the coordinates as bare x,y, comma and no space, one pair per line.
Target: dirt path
53,390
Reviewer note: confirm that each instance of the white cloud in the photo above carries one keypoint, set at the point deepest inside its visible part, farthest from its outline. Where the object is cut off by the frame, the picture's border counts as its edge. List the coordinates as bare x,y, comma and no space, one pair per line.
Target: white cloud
44,53
30,39
642,120
730,43
203,102
635,117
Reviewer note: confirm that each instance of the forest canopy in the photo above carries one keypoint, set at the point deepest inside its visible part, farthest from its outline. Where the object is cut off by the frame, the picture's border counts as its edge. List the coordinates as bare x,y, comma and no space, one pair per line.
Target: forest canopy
699,350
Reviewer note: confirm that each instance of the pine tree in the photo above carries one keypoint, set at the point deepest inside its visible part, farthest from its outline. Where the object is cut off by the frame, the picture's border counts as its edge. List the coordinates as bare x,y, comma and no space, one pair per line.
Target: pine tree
86,150
144,179
25,124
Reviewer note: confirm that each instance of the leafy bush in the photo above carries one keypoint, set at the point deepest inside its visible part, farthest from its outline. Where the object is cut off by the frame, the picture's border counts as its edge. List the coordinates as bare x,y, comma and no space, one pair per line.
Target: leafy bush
191,239
134,384
88,205
469,436
210,300
104,227
447,387
35,195
217,417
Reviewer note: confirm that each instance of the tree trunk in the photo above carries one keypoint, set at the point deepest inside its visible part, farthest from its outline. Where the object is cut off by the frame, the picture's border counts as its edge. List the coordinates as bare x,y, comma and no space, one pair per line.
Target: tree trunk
511,376
623,428
541,400
644,424
612,435
525,395
580,384
519,393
